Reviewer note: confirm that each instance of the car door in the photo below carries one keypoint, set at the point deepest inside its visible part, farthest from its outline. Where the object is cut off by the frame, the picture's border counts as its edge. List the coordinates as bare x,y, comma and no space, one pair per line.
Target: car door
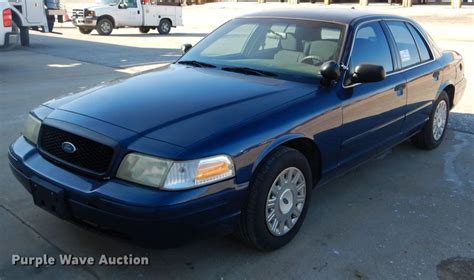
373,113
419,69
130,13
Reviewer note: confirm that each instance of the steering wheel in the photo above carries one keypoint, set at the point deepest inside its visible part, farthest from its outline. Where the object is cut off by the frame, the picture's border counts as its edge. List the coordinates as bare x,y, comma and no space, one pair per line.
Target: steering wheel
312,59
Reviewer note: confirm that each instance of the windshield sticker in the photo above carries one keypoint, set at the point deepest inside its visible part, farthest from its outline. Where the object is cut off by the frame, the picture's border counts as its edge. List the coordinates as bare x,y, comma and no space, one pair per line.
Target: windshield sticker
405,55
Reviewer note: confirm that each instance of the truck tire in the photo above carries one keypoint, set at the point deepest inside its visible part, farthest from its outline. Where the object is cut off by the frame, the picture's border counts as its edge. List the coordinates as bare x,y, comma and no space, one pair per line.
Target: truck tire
85,30
164,27
144,30
104,26
24,36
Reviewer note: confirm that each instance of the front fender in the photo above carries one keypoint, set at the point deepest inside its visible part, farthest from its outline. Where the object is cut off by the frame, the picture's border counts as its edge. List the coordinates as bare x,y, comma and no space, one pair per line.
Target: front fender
273,145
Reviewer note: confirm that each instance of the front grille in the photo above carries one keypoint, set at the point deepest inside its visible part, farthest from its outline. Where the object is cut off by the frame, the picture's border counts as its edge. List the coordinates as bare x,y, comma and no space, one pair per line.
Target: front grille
76,13
89,155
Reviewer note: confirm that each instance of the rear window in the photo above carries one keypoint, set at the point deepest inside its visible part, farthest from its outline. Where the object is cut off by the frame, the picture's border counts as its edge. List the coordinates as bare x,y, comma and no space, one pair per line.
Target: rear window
406,45
420,43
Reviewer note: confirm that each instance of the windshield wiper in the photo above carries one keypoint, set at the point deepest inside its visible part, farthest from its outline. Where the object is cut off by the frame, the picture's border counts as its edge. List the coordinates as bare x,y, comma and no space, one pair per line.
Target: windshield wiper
197,63
249,71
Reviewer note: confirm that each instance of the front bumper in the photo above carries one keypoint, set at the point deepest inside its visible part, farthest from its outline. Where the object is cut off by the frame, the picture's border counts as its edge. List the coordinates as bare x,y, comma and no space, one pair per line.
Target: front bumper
10,40
84,22
133,211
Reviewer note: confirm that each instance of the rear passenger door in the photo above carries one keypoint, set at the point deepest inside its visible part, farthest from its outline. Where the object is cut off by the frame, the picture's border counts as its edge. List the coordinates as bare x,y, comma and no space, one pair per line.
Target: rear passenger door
419,69
373,113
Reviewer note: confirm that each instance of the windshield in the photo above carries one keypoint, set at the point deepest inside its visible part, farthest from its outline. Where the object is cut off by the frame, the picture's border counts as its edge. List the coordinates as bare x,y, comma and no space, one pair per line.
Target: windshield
285,47
108,2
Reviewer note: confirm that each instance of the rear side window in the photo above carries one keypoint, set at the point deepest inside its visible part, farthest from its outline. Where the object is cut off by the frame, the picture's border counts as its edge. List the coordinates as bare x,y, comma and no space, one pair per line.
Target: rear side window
420,43
405,43
371,46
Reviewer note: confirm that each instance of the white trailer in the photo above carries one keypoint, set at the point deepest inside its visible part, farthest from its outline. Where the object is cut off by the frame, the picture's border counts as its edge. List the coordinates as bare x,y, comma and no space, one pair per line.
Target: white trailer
144,14
34,14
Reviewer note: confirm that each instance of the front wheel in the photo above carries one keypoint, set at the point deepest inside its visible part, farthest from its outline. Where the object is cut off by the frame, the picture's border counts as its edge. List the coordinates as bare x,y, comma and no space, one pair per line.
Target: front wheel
104,27
435,129
164,27
278,201
85,30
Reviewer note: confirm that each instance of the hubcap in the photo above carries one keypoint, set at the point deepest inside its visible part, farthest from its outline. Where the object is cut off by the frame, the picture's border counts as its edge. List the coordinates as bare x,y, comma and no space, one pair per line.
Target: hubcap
285,201
165,26
439,121
105,27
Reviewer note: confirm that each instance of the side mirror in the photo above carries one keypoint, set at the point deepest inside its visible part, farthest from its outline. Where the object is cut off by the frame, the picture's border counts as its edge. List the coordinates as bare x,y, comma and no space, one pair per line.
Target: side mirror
122,6
185,48
368,73
331,71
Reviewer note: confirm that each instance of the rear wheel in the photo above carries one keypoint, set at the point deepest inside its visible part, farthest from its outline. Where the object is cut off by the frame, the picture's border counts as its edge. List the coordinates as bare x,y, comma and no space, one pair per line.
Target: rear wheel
278,201
144,30
104,26
435,129
164,27
85,30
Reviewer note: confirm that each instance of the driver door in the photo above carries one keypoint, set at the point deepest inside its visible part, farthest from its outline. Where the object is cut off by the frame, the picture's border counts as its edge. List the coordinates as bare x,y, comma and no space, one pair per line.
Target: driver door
130,14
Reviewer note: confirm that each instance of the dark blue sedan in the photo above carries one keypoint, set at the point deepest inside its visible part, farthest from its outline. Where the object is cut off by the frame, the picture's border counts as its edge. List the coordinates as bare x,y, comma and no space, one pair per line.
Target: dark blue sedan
236,134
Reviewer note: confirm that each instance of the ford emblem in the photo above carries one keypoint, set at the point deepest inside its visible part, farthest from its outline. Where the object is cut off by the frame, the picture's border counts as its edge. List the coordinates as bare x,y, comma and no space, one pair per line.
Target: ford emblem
68,147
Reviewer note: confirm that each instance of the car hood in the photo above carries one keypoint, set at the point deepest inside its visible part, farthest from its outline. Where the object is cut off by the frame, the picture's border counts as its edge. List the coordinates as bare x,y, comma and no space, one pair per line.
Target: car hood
181,104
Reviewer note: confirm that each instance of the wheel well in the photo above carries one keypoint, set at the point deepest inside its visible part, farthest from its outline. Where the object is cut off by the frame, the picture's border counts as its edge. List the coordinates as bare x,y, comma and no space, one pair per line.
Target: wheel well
168,19
16,19
311,151
450,91
107,17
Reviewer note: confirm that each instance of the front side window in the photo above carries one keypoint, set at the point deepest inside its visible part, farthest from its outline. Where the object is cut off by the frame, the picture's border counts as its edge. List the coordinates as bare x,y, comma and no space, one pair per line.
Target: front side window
371,47
285,47
130,3
406,46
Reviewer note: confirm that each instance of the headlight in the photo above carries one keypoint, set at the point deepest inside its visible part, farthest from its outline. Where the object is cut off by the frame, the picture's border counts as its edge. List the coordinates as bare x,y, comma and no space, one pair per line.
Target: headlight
90,14
178,175
31,129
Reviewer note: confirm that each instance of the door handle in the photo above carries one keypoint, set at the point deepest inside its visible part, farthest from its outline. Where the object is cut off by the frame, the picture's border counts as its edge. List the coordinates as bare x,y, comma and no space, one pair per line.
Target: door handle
399,89
138,12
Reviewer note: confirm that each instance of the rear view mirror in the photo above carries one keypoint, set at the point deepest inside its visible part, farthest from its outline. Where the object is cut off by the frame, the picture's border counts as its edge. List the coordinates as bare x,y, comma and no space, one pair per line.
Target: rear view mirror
368,73
185,48
331,71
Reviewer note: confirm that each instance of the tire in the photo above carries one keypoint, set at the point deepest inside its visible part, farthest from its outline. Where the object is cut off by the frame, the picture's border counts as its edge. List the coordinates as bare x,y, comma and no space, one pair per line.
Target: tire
104,26
25,36
85,30
165,27
430,136
144,30
255,227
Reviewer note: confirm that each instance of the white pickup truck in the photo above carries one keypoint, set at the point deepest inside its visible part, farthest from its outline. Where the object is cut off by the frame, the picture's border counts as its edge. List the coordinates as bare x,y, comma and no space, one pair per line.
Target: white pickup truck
8,31
144,14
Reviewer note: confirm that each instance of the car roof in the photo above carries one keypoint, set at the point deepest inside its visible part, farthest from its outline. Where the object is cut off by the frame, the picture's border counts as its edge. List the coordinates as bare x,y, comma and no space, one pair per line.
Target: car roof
345,16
